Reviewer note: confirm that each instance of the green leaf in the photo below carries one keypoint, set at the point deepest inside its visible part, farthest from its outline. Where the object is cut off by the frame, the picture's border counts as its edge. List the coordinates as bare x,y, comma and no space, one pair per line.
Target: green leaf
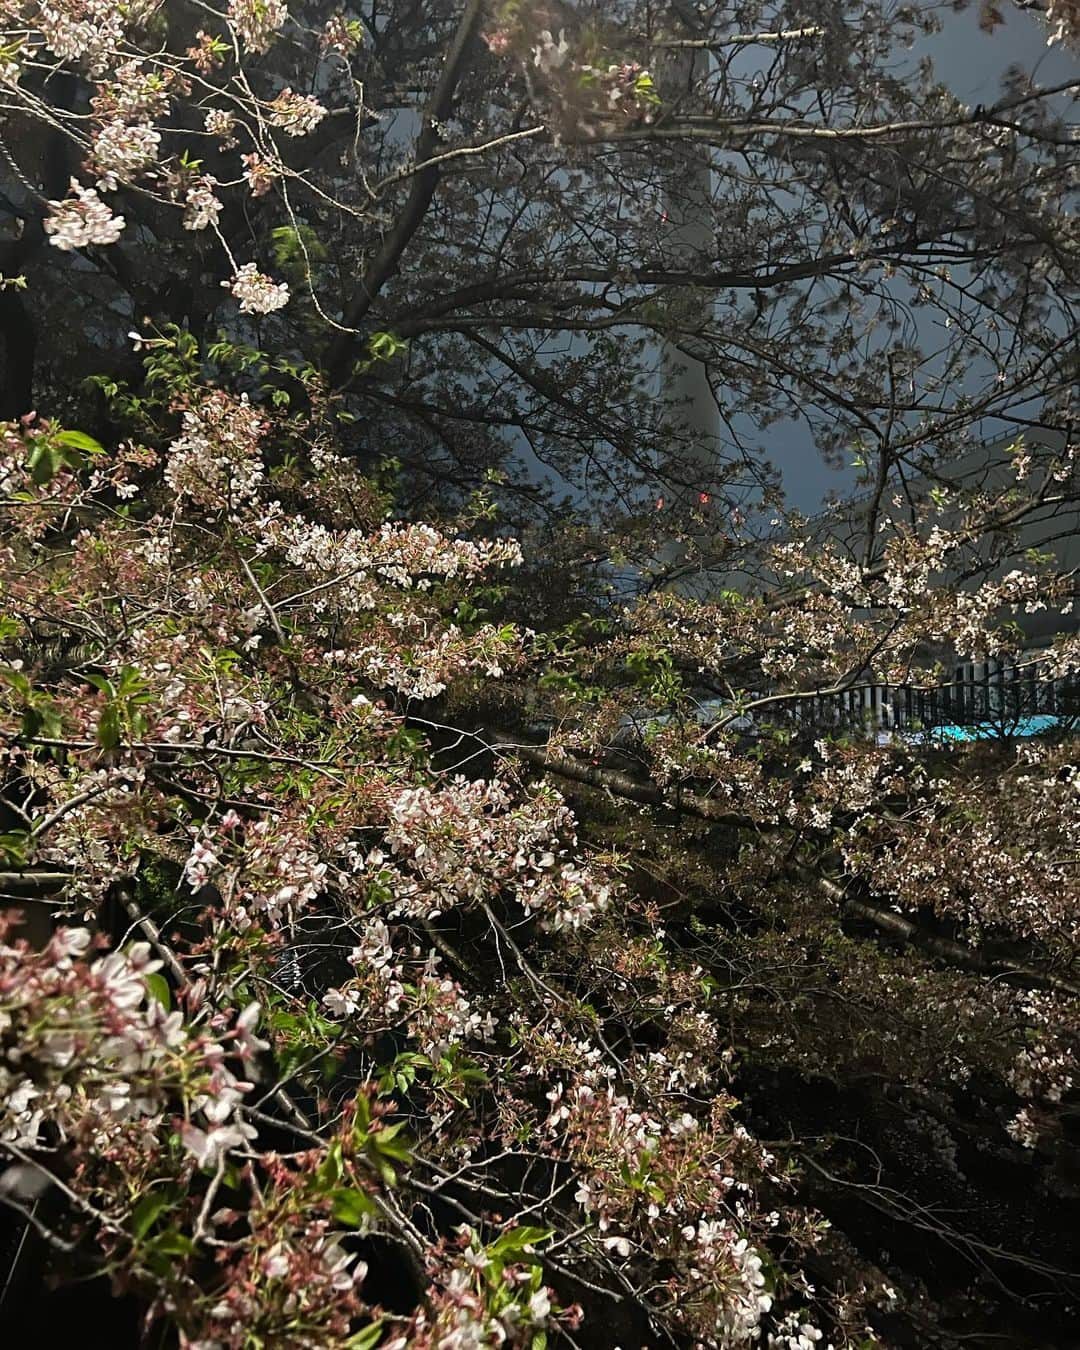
108,730
174,1243
49,722
517,1239
366,1339
289,244
79,440
385,346
384,1143
645,89
147,1211
352,1206
17,680
43,461
14,847
159,989
330,1169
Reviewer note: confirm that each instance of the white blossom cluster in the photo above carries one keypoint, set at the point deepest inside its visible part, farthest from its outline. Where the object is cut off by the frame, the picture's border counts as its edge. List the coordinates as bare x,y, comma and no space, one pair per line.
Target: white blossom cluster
133,94
140,1037
745,1310
1023,1128
549,55
1063,20
104,1052
259,173
82,30
911,562
438,1013
81,220
221,123
339,36
425,671
201,207
216,459
281,872
406,556
121,151
445,844
296,114
257,21
792,1333
614,1136
257,293
444,1016
274,870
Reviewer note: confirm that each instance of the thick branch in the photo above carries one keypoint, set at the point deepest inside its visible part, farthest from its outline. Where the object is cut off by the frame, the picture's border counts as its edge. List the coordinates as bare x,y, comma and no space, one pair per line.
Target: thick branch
527,286
385,263
887,921
944,949
624,785
721,131
741,39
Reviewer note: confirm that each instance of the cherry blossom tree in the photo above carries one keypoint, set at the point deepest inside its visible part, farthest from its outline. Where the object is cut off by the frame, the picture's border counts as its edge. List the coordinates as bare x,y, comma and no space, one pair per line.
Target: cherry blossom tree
215,767
432,922
374,994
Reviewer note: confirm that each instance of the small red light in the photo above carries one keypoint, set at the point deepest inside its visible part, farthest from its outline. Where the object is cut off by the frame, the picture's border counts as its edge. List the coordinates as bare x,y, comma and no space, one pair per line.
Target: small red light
703,498
659,503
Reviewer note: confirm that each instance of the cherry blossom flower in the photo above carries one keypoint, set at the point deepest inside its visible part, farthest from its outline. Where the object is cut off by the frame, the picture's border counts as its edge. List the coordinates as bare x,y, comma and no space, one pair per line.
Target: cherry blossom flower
257,21
259,173
208,1147
296,114
122,151
217,460
89,31
340,35
340,1003
221,123
257,293
81,220
135,92
550,55
204,54
201,207
248,1045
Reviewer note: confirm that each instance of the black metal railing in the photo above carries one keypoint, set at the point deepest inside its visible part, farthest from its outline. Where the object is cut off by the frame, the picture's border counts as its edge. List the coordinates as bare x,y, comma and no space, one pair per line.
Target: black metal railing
1009,697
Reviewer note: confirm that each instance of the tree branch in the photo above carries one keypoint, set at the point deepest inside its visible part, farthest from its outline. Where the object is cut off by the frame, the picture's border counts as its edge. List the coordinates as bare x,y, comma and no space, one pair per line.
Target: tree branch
886,921
385,262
